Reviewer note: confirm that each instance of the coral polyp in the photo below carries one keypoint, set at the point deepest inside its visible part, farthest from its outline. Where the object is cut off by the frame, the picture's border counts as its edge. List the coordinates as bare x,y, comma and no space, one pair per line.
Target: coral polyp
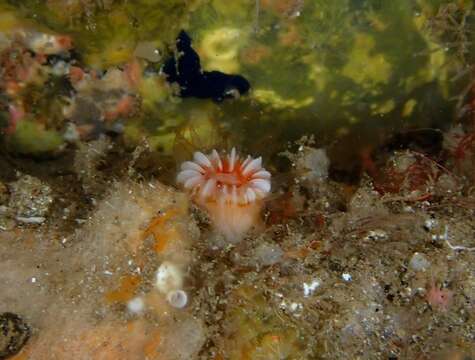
229,179
229,187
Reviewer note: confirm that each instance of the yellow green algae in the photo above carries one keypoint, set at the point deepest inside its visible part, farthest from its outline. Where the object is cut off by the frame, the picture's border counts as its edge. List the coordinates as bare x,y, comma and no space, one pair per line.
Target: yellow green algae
314,66
257,330
45,141
106,32
330,65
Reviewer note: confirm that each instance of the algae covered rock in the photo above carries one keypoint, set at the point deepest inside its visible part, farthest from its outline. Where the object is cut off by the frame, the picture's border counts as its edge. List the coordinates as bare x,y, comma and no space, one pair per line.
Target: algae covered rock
107,32
31,138
316,65
255,330
313,65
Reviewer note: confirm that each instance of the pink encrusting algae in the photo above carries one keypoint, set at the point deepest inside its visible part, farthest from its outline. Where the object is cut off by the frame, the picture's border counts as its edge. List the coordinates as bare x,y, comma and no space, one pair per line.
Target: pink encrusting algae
230,188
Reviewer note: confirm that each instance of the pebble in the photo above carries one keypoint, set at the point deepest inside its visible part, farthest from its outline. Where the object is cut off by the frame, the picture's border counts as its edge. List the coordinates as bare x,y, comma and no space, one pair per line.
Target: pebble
346,276
419,262
136,305
268,254
309,288
14,333
147,50
30,198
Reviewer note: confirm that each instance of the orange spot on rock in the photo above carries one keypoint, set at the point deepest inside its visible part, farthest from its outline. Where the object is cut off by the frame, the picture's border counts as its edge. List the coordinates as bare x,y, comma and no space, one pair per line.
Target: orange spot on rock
76,74
24,354
122,108
133,73
41,58
255,54
126,290
157,304
299,253
290,37
125,105
12,87
151,348
164,238
105,341
65,42
282,8
160,232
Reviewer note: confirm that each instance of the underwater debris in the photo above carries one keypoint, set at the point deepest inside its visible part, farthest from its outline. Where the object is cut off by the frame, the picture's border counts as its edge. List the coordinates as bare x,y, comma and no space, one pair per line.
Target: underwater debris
460,143
43,43
316,162
450,27
194,82
311,164
268,254
86,161
182,341
30,199
230,188
409,175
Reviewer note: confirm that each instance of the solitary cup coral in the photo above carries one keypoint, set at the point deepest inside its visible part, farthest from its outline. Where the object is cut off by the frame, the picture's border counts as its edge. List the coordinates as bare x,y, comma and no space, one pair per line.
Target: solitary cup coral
230,188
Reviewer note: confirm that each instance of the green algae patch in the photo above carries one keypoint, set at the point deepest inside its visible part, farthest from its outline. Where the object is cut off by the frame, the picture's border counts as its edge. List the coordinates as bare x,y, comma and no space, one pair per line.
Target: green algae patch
31,138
